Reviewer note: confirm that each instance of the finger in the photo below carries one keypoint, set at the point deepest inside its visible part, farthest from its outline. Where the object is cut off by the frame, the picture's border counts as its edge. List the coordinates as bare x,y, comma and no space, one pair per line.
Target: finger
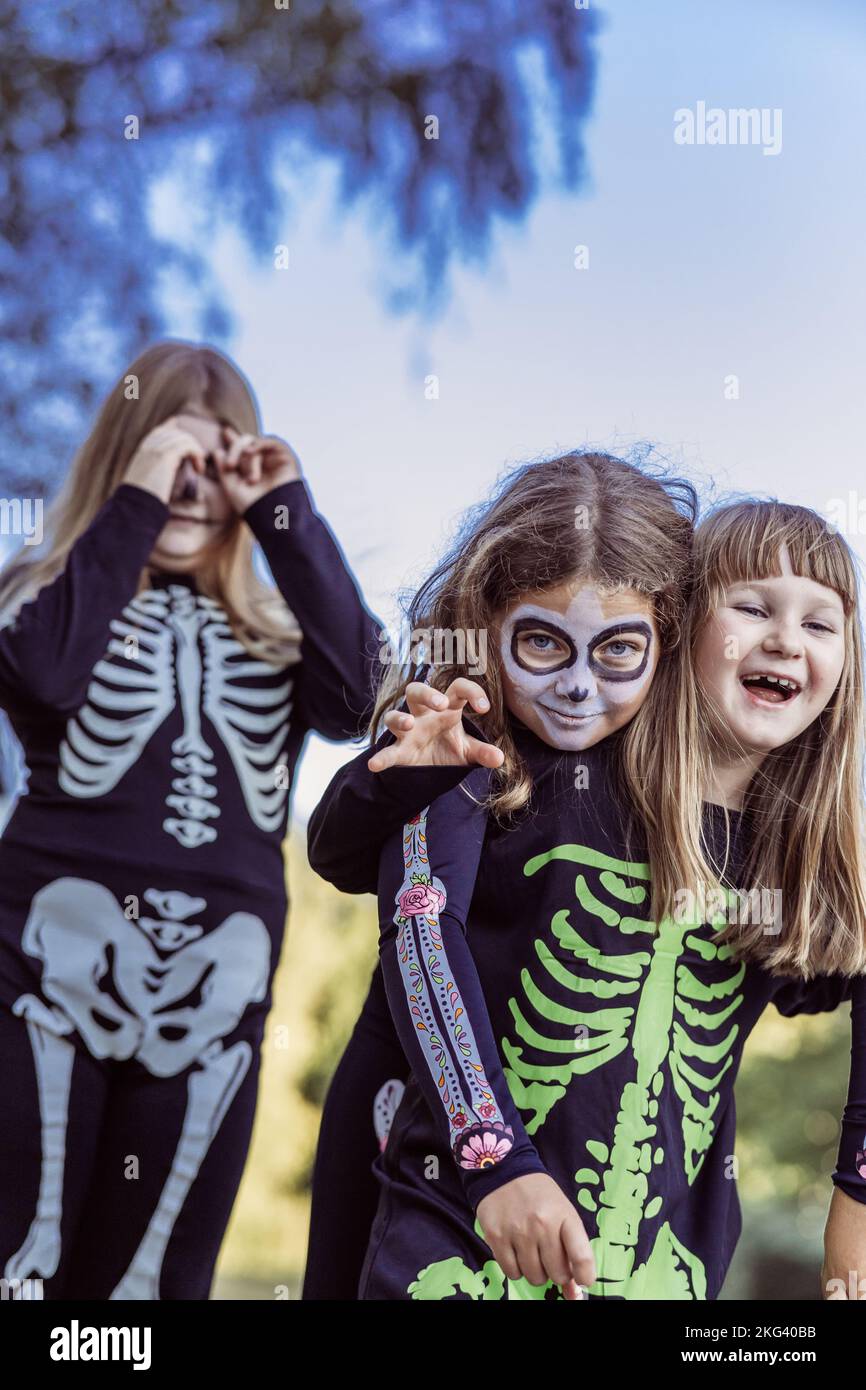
398,721
250,462
386,757
192,452
578,1251
530,1262
554,1258
238,446
468,692
572,1292
506,1257
420,696
485,754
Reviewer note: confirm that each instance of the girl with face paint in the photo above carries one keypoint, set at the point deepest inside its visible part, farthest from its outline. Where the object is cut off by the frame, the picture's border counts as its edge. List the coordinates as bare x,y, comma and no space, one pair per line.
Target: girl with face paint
566,651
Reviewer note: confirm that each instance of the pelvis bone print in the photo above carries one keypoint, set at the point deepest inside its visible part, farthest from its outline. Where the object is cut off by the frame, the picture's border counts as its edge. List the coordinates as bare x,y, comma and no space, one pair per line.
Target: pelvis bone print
155,967
173,646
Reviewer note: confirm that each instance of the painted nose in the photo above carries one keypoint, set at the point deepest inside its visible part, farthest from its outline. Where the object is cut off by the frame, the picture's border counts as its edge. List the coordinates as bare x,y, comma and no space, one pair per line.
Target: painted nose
185,484
578,694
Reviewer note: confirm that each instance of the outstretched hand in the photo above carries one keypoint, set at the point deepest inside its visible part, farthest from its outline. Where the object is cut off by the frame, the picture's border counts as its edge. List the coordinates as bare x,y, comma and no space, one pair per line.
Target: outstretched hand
431,734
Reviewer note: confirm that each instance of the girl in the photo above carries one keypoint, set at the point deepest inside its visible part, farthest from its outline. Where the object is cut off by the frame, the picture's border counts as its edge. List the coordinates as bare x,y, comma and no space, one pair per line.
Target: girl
663,1213
548,505
162,692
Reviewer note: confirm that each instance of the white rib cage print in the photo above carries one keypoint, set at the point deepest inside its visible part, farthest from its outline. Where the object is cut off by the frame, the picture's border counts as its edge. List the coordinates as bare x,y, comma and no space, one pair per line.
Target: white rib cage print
173,647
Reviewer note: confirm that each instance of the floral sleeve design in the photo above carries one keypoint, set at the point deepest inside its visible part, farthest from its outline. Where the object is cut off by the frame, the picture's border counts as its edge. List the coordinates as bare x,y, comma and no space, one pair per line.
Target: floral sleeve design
480,1137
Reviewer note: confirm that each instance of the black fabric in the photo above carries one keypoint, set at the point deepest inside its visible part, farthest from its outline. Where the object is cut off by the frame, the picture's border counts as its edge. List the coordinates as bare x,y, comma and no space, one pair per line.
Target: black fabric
142,891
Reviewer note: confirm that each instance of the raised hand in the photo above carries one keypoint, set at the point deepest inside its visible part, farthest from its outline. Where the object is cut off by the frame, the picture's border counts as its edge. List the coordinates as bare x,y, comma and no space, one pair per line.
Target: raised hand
252,464
155,463
431,734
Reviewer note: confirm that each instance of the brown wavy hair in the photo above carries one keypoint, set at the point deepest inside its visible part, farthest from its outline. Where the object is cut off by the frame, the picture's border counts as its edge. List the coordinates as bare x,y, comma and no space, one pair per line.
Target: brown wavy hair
635,532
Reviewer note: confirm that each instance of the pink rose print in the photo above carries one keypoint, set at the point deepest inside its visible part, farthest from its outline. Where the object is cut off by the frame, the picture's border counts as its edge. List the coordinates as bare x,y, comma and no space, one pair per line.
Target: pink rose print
860,1163
420,900
483,1145
487,1110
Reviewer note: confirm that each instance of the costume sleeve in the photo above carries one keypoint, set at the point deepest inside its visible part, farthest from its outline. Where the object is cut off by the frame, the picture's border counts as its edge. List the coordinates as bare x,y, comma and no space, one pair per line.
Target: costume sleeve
48,651
340,667
427,877
850,1171
361,809
822,994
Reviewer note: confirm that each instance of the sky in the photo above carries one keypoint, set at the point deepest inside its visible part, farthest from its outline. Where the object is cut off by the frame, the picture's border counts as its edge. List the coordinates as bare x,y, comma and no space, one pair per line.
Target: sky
706,262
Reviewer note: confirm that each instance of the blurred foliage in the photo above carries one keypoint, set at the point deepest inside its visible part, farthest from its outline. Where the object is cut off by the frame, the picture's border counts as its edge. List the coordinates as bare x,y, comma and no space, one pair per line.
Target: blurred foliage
321,983
236,102
790,1095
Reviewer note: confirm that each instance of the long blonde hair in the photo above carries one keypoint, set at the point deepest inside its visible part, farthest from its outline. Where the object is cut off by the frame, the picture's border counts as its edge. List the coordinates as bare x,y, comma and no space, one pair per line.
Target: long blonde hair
582,514
804,804
161,380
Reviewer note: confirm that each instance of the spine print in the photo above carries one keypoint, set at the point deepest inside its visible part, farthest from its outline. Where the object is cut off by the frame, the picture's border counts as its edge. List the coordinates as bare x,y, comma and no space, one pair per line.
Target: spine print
480,1137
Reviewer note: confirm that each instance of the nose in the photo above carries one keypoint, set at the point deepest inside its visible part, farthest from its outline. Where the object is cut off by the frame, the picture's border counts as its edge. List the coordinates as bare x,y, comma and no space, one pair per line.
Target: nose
185,484
785,638
577,685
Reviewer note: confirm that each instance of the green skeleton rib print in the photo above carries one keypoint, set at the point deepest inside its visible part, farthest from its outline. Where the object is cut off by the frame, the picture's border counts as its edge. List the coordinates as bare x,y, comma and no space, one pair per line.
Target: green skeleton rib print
647,1001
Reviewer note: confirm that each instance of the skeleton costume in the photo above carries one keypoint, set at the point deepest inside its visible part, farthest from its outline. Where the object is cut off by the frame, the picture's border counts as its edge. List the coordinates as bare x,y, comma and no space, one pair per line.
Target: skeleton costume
142,891
549,1029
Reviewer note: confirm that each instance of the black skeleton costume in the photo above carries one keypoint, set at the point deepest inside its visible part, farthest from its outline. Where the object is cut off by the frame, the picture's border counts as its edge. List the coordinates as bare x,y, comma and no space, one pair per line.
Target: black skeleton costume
142,891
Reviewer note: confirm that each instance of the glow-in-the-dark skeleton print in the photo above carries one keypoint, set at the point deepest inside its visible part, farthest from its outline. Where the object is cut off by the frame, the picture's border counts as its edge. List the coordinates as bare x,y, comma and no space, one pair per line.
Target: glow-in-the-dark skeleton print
124,987
680,1030
479,1135
173,645
610,1043
573,676
161,755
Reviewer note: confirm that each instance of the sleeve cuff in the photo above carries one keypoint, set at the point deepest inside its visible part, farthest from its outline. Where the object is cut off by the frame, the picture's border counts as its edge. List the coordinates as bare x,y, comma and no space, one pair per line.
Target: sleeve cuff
294,495
517,1166
142,508
414,786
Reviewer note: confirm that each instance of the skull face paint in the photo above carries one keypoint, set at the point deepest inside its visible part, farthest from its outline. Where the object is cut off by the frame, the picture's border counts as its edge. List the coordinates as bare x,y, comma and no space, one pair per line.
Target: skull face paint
577,663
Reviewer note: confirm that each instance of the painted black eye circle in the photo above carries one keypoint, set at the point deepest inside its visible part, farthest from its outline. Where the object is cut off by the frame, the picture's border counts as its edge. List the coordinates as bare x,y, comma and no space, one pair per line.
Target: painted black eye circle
621,653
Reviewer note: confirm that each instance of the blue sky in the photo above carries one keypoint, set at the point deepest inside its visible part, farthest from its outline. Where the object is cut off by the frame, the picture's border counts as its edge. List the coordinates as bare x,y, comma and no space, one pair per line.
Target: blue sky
704,261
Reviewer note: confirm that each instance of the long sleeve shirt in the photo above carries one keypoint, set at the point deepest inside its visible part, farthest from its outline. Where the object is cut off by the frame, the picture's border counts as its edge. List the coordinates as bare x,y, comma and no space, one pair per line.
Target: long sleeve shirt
850,1171
551,1027
160,750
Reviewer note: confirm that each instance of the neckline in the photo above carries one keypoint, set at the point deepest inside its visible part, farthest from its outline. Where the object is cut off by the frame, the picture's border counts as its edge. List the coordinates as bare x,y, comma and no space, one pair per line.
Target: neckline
162,577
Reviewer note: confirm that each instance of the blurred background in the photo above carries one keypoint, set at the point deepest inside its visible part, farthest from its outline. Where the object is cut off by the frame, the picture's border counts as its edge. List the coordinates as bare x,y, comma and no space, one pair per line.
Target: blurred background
441,237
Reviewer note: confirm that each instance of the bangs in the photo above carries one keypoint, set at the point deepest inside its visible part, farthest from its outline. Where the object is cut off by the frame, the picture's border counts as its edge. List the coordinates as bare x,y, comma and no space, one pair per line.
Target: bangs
744,540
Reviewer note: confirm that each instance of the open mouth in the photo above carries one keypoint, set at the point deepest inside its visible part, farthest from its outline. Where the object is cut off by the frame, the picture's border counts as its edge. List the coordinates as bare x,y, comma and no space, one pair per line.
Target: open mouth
766,689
